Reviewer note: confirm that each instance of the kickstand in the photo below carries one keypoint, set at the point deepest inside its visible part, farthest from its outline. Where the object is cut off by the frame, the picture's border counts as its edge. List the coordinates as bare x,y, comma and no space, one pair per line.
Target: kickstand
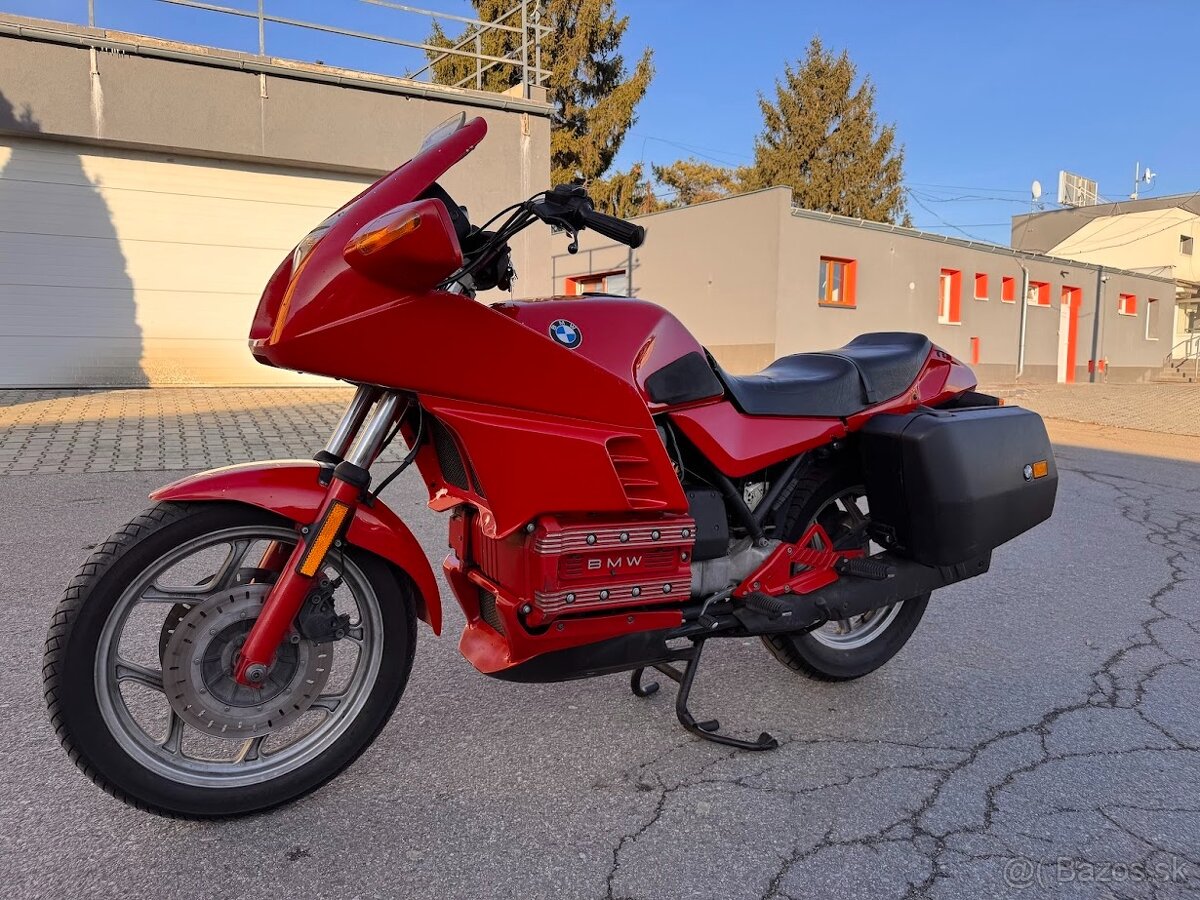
707,729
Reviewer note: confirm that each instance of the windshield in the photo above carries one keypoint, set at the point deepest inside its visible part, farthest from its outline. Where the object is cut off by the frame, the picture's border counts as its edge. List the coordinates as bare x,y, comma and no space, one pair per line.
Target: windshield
443,131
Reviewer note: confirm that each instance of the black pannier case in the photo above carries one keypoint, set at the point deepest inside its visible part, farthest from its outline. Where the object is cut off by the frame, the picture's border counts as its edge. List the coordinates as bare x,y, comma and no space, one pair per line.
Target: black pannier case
947,486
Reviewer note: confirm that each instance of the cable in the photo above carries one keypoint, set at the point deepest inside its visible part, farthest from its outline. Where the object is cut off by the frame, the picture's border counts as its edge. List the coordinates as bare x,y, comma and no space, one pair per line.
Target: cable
962,231
409,457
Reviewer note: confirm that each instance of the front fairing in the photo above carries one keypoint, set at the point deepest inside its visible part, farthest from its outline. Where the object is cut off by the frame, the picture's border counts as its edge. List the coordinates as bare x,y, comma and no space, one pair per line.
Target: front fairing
324,290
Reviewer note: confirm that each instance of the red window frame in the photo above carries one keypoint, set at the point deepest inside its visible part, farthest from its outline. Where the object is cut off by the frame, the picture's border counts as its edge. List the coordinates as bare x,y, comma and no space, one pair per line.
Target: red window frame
1127,304
953,313
1039,293
597,282
981,286
1008,289
825,277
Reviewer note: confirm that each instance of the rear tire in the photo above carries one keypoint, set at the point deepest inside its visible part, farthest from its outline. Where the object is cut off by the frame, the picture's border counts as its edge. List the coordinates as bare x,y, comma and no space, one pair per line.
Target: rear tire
100,744
869,643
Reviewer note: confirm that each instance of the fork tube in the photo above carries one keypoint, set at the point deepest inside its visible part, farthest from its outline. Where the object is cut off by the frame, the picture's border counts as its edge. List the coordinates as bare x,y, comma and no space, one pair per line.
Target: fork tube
347,486
370,439
350,423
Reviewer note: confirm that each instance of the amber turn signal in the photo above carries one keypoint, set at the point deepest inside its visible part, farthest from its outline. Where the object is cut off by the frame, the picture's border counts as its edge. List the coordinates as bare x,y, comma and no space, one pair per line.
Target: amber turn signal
378,238
1041,469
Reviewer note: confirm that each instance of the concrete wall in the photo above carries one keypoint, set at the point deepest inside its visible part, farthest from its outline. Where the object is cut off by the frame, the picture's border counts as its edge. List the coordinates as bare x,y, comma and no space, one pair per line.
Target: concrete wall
743,274
160,156
365,125
1141,235
714,265
898,280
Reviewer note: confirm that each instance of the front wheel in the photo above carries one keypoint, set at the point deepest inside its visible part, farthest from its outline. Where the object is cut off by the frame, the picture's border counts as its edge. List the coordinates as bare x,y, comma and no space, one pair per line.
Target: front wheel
140,651
846,648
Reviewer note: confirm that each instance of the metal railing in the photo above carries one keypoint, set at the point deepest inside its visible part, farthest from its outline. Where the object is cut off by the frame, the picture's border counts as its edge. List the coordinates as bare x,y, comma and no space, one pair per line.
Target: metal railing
1185,355
522,20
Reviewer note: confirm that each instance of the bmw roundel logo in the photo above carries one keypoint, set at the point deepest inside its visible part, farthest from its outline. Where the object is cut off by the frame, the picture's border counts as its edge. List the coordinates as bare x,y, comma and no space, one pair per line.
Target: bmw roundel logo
566,333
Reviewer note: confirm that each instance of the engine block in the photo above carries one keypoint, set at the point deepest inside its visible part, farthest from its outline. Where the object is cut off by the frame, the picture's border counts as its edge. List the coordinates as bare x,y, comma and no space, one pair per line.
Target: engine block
565,566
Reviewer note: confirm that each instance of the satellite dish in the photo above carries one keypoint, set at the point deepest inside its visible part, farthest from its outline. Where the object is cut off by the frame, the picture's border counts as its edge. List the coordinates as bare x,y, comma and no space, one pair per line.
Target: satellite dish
1148,175
1036,190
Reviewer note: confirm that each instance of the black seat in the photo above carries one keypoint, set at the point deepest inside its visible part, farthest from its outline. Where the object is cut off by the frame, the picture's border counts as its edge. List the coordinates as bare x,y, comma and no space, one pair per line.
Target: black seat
870,369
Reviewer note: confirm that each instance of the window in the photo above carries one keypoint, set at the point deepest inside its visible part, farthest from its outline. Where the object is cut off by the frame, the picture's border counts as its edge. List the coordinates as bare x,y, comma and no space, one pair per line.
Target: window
1185,244
950,297
975,351
614,283
1151,319
981,286
1127,304
836,282
1039,293
1008,289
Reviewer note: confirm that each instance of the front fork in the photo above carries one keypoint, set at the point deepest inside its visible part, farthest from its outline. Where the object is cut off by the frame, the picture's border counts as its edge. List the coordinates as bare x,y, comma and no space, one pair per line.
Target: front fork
370,417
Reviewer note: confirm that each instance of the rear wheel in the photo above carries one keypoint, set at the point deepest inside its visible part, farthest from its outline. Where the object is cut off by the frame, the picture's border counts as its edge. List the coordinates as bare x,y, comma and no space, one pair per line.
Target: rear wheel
140,651
847,648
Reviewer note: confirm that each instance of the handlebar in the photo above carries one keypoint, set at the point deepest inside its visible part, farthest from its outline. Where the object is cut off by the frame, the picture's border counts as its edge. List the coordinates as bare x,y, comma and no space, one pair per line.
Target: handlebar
571,207
611,227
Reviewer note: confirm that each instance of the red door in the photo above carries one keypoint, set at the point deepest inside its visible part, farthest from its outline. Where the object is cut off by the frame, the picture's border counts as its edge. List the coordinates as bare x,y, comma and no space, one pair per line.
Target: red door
1072,299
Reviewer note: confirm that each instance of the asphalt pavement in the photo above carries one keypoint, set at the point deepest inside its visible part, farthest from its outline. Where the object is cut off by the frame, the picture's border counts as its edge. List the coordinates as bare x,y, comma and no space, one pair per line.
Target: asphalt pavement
1037,737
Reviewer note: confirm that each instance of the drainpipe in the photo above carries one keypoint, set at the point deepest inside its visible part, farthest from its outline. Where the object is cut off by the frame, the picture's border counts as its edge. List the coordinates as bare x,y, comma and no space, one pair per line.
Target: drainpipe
1024,319
1094,369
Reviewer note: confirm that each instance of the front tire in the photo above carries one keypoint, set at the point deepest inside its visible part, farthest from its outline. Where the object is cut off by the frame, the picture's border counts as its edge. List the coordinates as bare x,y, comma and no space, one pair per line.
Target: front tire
114,675
852,648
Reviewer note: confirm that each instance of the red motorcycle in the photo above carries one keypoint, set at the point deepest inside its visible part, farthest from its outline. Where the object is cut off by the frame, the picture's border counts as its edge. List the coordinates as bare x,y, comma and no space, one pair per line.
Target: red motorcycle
615,501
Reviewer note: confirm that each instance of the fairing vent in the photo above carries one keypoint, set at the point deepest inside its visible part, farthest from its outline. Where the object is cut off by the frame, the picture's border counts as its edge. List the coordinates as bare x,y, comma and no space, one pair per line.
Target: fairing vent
487,610
638,478
450,461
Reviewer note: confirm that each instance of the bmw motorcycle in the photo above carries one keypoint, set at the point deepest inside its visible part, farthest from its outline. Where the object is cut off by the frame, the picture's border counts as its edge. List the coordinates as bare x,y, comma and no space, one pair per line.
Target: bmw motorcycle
615,501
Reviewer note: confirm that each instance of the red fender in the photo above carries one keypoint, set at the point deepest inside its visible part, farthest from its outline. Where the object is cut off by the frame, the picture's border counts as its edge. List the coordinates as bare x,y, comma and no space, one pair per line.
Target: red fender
289,487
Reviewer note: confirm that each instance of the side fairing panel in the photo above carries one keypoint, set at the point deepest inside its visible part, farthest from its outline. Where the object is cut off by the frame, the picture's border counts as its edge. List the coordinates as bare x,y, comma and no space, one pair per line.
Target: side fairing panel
526,464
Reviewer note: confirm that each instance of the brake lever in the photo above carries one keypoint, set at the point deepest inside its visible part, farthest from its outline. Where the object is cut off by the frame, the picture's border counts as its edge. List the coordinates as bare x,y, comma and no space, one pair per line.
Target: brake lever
572,247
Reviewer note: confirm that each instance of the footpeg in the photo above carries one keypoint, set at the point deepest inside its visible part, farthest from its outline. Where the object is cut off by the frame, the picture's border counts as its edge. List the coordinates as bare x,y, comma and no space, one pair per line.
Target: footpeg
863,567
764,604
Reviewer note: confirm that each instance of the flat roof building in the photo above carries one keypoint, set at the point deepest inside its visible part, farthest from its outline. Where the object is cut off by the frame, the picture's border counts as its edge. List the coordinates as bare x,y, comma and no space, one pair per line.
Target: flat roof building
755,279
1157,235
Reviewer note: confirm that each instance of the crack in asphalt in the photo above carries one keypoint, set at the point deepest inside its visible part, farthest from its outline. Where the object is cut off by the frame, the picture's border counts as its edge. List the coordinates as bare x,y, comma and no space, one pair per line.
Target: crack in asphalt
1178,534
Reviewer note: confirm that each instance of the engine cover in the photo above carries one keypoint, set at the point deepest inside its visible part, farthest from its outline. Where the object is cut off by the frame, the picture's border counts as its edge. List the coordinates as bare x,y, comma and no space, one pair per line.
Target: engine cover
566,566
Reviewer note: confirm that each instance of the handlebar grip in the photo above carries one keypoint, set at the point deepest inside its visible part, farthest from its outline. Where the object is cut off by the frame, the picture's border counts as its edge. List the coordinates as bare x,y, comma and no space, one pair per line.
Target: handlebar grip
611,227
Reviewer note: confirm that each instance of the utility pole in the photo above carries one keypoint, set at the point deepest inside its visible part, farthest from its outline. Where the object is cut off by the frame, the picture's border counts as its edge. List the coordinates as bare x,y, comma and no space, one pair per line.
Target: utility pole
1024,321
1094,369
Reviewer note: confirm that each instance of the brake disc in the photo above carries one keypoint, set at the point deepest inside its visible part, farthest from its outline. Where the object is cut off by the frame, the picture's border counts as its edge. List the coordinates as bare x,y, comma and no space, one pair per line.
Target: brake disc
198,663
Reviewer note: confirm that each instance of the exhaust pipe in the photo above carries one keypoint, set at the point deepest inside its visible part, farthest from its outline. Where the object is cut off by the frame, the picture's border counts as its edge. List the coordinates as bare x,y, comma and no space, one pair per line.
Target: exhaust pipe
851,595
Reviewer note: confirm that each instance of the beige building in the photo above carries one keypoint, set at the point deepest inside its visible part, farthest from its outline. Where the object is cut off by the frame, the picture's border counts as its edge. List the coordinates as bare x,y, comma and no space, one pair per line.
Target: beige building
755,279
1158,236
149,188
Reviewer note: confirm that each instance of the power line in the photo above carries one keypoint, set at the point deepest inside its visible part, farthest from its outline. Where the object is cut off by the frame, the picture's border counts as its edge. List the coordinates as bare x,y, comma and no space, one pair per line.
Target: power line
951,225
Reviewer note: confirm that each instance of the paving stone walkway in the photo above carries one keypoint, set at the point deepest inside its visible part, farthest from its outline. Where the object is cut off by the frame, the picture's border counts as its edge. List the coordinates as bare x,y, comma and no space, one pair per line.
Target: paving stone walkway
54,432
171,429
1166,408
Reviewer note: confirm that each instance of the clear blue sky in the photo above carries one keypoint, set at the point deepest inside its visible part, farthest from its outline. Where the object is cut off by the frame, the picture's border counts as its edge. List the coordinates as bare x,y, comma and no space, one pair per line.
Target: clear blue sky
986,96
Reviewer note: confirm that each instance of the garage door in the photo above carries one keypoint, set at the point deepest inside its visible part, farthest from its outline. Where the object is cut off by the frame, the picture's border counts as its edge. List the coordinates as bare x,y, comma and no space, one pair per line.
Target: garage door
126,268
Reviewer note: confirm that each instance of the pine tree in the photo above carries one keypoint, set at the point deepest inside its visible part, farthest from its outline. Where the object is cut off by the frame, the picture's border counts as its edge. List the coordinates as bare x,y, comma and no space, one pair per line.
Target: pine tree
625,193
692,181
821,137
593,96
